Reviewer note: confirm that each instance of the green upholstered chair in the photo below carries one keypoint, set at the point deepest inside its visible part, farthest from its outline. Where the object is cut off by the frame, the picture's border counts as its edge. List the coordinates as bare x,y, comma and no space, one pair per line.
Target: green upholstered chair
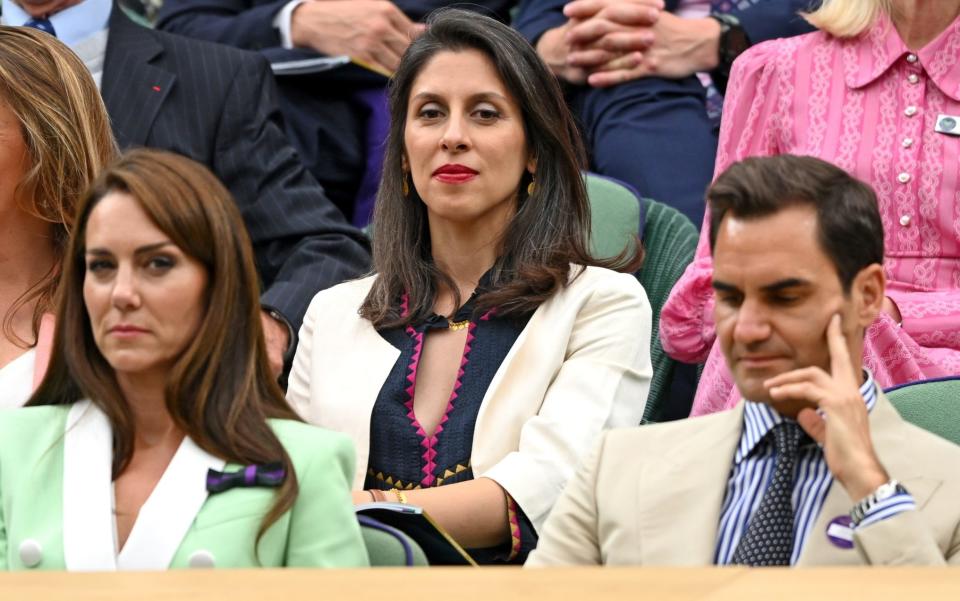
933,405
669,241
389,547
616,214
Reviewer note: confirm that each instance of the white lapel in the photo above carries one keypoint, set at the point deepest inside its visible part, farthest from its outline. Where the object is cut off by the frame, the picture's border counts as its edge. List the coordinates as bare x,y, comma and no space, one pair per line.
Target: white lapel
168,513
344,379
536,345
343,395
88,525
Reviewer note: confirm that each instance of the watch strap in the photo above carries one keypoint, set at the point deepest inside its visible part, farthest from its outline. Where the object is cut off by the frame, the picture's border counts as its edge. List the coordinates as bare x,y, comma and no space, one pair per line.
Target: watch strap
883,492
733,42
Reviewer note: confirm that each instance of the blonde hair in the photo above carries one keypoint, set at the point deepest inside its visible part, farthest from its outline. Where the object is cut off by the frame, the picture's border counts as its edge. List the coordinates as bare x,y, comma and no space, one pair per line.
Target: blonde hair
847,18
67,134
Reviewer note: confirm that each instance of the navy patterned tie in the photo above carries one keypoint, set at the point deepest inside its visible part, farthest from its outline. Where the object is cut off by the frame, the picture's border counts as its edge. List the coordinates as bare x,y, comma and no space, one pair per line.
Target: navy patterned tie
768,540
42,25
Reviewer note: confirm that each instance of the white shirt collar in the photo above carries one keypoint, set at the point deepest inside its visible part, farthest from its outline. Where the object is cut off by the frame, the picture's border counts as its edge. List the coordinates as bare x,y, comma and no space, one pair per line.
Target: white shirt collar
73,24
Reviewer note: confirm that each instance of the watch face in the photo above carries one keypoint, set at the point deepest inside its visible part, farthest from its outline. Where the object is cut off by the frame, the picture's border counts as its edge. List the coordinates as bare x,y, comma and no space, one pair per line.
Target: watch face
885,491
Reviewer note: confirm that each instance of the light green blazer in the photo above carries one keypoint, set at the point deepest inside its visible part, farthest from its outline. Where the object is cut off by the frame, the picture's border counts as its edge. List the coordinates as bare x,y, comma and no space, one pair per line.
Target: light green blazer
56,499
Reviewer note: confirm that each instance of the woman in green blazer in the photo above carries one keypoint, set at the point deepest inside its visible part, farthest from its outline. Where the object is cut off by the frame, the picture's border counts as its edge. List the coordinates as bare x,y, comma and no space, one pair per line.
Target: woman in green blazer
158,438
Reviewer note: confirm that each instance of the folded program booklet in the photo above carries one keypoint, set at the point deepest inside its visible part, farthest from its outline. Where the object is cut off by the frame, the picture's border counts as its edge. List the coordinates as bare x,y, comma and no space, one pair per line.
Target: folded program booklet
437,545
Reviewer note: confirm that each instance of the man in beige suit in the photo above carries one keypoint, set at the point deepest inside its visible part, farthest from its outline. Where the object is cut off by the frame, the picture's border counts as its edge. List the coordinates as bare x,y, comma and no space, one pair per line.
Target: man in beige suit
816,467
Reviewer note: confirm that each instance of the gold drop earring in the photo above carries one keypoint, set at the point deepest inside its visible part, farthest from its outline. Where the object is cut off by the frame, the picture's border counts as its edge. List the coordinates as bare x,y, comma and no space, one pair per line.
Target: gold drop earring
404,185
531,186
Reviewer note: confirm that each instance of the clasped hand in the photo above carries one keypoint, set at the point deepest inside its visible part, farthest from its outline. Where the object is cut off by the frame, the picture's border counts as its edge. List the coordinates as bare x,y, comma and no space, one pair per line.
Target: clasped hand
606,42
837,417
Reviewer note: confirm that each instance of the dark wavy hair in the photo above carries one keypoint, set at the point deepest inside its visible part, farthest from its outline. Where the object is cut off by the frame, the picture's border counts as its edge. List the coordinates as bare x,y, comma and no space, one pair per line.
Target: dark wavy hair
551,228
220,391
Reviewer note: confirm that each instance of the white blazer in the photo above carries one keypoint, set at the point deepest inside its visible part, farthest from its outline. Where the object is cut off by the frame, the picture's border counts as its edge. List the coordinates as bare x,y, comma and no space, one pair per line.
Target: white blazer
581,365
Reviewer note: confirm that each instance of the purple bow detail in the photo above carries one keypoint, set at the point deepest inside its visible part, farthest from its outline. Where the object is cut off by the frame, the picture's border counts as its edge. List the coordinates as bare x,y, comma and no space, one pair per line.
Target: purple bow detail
271,474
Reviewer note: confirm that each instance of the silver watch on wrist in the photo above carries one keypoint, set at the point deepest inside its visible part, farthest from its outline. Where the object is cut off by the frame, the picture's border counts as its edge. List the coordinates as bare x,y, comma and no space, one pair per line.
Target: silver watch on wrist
883,492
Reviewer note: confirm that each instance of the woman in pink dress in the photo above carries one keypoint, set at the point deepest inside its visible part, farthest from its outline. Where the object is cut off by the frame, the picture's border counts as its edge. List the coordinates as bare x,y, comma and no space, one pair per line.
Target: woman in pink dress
876,92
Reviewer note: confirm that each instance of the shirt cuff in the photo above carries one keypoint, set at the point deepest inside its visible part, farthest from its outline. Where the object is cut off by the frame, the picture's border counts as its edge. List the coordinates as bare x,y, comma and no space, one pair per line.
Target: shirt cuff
887,508
282,22
288,353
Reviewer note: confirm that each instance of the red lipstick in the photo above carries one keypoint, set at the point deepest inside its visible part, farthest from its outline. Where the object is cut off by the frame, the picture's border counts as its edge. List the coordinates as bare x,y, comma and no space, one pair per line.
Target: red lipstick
453,173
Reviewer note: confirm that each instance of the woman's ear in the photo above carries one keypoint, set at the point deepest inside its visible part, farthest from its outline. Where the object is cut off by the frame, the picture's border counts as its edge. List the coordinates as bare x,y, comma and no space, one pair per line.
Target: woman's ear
532,165
868,291
404,164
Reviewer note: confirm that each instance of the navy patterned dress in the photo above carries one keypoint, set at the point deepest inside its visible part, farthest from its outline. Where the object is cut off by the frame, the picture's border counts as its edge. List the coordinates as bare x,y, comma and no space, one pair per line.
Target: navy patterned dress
403,456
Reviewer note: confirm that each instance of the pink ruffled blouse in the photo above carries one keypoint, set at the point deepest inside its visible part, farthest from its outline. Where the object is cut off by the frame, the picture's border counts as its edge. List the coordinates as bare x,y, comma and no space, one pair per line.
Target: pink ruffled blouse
871,106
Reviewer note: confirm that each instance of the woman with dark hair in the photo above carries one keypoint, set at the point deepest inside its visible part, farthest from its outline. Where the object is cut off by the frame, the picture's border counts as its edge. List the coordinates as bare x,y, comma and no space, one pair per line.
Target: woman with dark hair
158,437
54,139
475,368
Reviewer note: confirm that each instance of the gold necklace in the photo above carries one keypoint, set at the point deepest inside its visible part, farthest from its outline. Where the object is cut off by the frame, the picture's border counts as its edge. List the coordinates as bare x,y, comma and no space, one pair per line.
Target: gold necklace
456,326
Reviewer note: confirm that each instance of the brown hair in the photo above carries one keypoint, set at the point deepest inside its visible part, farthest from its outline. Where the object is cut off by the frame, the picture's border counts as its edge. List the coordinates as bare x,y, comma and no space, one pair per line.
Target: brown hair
849,228
551,228
67,134
220,390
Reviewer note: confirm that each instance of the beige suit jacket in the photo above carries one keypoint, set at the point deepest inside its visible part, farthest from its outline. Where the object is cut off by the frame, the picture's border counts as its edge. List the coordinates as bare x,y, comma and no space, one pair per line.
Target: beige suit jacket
653,495
581,364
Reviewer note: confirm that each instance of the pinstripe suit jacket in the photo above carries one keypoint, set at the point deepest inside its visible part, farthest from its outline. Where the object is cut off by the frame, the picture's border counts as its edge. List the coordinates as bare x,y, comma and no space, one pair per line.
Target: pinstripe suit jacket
217,106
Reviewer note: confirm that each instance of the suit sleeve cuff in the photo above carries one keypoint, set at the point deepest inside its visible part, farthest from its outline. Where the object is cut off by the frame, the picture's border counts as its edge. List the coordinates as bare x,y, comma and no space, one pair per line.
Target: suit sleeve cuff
276,315
888,508
778,20
283,22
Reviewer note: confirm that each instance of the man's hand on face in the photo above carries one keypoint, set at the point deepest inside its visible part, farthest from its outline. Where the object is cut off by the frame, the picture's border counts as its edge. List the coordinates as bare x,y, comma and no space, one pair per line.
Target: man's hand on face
839,421
373,31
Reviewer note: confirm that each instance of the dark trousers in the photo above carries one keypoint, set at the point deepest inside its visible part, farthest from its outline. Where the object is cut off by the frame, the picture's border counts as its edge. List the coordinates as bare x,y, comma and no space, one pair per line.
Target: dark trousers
653,134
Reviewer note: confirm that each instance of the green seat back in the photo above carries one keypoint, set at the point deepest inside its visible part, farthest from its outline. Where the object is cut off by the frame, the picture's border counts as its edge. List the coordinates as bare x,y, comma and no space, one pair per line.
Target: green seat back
669,241
615,216
933,405
385,549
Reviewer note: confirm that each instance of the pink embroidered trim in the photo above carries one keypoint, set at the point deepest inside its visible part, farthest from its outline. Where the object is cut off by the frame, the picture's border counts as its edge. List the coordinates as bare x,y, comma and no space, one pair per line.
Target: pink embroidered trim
429,443
514,523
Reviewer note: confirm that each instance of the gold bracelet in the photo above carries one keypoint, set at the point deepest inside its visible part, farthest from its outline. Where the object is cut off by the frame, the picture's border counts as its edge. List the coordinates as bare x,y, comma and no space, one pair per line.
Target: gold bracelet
401,496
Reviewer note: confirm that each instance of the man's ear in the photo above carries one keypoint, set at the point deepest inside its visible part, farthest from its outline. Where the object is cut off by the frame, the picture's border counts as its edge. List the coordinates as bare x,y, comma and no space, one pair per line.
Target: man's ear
868,291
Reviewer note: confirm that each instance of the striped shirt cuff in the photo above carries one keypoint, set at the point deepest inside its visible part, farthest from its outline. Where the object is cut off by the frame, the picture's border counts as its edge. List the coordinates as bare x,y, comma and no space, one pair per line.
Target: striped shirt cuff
888,508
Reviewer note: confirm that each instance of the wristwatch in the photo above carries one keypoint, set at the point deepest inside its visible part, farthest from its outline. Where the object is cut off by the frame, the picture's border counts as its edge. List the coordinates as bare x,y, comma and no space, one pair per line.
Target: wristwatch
883,492
733,43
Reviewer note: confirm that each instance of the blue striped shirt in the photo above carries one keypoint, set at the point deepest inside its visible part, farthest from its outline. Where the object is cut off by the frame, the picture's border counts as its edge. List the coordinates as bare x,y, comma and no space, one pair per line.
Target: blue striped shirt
753,466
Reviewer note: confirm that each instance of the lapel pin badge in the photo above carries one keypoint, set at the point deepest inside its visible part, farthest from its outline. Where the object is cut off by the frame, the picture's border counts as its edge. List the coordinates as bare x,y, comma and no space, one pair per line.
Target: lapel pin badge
840,532
948,124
